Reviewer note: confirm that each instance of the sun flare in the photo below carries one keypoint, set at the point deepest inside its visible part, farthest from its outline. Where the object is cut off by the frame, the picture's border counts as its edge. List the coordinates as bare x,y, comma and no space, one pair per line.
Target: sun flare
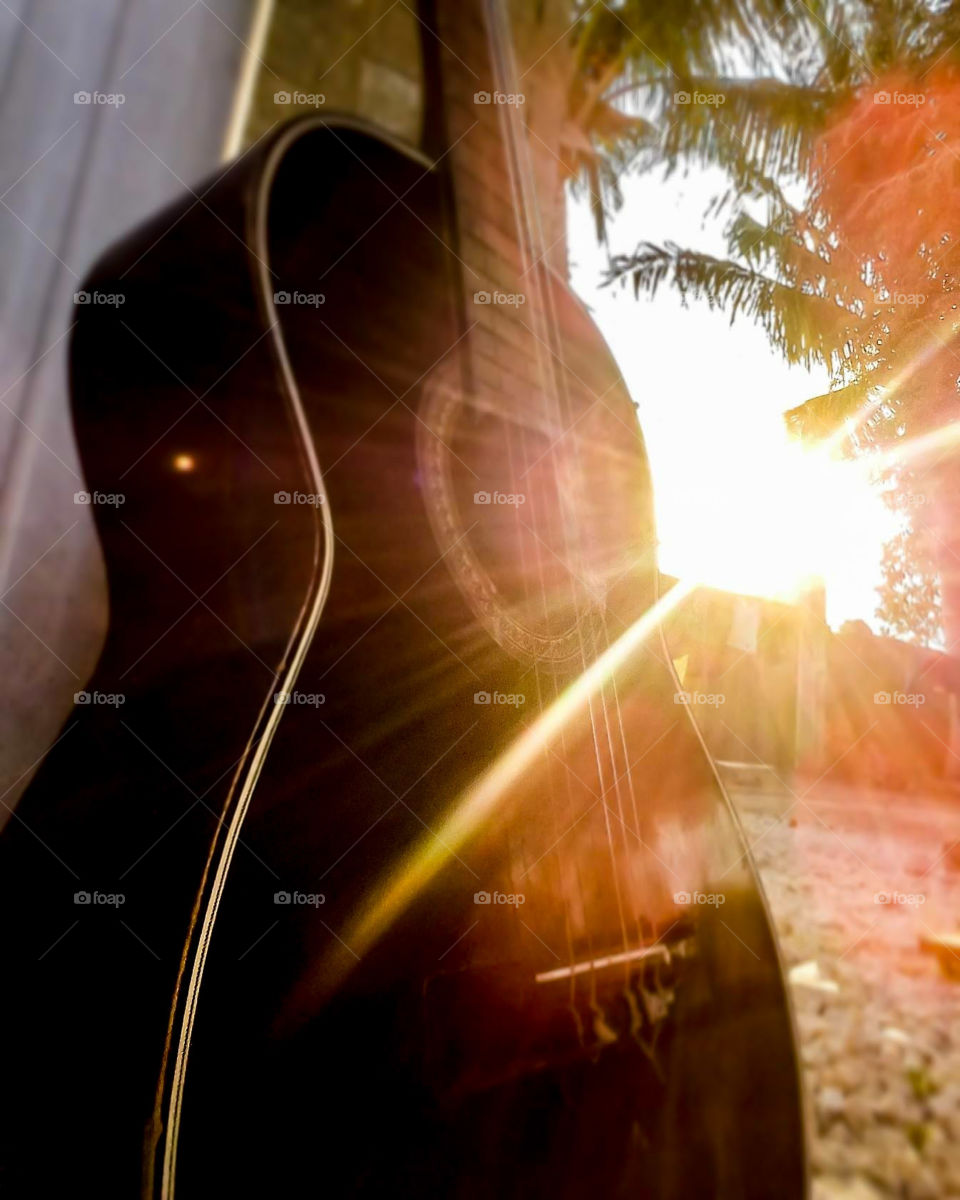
750,510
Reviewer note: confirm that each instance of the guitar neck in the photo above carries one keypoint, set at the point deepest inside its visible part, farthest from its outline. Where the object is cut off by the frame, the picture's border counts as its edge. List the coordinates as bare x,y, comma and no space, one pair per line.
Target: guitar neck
507,228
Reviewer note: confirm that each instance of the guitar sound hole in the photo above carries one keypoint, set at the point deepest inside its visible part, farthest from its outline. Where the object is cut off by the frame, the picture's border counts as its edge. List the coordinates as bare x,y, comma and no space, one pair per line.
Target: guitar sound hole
519,516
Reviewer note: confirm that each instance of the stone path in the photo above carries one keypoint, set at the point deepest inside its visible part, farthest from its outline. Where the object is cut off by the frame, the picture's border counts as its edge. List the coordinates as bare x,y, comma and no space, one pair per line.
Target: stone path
854,882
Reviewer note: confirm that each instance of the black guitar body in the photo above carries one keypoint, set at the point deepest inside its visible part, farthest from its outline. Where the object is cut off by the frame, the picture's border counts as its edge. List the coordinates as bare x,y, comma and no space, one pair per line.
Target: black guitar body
287,980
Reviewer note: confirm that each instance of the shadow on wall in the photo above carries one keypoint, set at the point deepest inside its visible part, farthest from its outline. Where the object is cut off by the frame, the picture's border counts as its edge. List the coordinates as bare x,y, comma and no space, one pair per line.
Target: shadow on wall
107,107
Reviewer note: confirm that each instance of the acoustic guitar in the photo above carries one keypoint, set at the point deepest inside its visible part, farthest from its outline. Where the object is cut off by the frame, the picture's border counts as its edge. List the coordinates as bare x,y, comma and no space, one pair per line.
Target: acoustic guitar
380,856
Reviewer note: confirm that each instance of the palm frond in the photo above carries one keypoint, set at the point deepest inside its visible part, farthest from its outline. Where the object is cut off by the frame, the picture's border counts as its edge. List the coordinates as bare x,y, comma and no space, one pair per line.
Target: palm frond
683,35
599,162
755,127
836,29
803,326
824,416
757,242
750,185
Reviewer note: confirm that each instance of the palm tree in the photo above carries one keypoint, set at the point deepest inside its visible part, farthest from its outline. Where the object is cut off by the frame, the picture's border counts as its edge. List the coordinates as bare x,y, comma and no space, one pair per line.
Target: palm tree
822,275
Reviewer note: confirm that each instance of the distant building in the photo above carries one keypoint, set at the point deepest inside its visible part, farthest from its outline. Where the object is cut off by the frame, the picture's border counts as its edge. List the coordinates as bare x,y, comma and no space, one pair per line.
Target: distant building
771,683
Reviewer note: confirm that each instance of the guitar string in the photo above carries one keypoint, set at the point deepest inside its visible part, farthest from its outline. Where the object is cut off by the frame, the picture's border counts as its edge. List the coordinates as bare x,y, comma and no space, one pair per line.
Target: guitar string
503,52
547,312
529,256
544,604
617,706
630,858
526,207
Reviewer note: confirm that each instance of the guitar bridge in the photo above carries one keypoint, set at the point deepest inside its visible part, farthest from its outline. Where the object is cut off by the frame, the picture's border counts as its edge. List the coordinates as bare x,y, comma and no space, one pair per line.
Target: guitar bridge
485,1027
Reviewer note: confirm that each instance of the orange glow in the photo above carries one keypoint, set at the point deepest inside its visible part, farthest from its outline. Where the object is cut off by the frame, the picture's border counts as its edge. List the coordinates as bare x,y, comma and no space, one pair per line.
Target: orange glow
393,894
184,463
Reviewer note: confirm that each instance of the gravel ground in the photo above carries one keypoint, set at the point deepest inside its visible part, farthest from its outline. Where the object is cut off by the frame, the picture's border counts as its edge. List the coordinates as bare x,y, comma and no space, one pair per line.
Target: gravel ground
854,882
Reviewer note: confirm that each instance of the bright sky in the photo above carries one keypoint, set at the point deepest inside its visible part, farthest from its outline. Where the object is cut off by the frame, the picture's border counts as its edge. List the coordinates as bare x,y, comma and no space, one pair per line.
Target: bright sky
739,506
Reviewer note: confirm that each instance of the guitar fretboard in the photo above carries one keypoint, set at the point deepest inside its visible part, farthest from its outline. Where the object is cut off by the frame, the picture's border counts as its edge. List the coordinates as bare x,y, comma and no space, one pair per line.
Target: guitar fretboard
503,255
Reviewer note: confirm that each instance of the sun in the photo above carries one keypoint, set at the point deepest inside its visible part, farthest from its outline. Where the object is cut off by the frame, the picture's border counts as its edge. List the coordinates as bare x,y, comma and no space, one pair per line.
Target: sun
744,508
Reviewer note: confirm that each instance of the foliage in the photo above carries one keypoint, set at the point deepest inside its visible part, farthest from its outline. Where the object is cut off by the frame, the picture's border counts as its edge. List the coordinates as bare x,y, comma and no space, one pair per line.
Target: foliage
825,281
853,110
909,605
